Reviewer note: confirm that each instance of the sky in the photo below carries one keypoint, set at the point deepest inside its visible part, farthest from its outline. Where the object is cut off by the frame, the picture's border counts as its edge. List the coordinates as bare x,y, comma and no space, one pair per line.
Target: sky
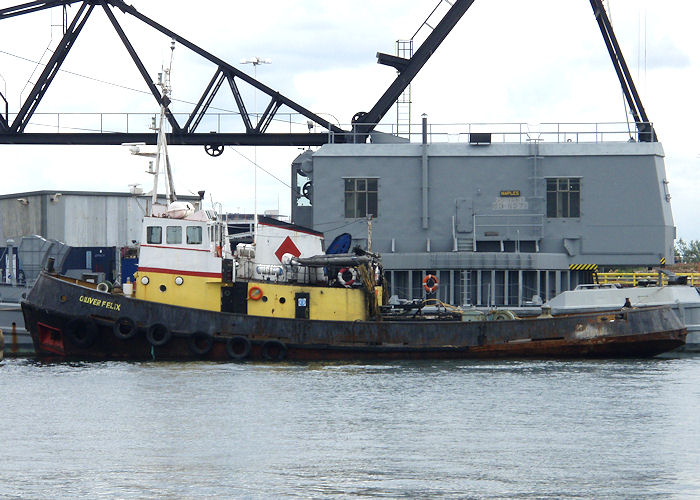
506,61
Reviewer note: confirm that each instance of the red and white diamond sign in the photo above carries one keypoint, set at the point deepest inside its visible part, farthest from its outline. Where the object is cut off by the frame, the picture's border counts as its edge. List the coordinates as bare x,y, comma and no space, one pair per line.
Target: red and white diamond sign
287,246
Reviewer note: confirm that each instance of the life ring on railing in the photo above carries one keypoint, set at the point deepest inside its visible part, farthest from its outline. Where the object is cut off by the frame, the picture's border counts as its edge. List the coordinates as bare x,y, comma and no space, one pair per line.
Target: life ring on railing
347,276
430,283
218,250
255,293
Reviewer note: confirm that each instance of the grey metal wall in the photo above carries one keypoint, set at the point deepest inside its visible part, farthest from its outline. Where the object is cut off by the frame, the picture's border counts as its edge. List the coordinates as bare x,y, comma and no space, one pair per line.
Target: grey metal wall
625,209
78,219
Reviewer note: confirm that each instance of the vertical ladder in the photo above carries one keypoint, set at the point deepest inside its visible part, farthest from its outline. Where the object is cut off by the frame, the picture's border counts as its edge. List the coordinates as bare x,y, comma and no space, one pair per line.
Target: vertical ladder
466,282
539,188
404,49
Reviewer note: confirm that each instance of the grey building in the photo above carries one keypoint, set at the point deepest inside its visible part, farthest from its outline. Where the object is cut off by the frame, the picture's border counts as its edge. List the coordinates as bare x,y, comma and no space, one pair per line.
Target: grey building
497,223
76,218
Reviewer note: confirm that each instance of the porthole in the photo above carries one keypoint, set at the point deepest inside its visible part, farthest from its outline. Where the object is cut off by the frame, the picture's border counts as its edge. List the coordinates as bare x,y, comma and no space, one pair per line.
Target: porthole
179,280
264,299
162,288
145,280
282,300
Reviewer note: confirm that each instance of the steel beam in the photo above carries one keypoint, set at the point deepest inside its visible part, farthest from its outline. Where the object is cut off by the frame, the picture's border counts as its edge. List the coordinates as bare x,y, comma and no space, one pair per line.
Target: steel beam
4,123
200,139
644,126
51,68
366,122
29,7
162,100
201,108
224,66
239,102
267,116
12,134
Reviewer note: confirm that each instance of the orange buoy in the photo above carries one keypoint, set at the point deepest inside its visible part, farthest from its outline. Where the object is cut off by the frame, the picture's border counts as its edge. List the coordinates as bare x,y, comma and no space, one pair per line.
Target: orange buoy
430,283
255,293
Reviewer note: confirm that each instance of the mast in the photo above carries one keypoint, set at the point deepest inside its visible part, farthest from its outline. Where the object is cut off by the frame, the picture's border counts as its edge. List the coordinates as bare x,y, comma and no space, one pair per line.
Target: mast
162,145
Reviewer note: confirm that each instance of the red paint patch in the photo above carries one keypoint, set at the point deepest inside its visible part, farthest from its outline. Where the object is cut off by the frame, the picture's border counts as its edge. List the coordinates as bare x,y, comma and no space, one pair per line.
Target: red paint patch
287,246
50,339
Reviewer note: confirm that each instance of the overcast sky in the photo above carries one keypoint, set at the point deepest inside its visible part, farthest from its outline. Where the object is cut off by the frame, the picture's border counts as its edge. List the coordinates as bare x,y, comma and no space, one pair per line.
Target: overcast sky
507,61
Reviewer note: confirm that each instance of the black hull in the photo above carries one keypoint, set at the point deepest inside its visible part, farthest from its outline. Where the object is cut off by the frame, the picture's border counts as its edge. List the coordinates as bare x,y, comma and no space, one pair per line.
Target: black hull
73,321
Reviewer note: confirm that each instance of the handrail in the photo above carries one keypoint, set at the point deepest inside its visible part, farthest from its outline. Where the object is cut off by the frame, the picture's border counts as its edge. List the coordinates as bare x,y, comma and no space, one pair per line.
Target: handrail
223,122
637,278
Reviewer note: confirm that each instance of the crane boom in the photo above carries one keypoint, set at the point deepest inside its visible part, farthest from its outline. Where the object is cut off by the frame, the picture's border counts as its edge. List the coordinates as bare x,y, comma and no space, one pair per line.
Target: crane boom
644,126
408,69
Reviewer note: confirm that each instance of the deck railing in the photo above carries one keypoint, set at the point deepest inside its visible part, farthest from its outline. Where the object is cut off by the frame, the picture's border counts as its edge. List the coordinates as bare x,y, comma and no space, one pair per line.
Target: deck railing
636,278
228,122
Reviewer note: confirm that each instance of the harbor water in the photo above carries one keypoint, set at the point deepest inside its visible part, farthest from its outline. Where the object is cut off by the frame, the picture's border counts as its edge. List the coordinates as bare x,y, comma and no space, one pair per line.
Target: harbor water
499,429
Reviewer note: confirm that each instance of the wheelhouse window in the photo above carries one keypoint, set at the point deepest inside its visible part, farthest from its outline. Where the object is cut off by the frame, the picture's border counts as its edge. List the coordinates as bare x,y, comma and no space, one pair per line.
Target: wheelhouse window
154,235
173,235
563,197
194,235
360,197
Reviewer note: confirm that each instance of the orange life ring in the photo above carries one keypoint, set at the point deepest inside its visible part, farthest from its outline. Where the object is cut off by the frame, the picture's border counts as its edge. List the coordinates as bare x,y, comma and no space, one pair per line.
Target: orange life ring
430,283
218,250
255,293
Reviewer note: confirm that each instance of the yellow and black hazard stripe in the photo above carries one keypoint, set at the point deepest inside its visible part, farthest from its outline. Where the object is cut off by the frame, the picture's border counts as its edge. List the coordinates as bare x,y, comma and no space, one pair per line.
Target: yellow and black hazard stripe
662,261
583,267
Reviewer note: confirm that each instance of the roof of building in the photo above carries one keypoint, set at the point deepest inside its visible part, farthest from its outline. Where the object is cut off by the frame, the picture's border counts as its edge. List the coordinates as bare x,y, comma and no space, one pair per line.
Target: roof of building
90,193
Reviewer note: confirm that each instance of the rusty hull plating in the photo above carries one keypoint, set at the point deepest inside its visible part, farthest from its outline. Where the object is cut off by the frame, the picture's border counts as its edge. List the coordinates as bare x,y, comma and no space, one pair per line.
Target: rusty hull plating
69,320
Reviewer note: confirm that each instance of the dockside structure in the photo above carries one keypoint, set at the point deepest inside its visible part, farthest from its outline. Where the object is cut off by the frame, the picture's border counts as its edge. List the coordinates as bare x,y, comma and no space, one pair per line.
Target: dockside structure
499,223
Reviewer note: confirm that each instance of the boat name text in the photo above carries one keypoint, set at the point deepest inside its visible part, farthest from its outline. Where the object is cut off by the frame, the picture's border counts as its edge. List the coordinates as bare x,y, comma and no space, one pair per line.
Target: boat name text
100,303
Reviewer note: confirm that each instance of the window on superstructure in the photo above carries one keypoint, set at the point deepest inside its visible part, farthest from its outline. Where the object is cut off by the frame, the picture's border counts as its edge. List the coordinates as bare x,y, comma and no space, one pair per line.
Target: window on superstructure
563,197
194,235
361,197
154,235
173,235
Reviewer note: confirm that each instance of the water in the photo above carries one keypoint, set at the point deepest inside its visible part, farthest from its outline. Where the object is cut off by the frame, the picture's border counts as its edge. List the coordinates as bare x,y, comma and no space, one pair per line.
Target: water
520,429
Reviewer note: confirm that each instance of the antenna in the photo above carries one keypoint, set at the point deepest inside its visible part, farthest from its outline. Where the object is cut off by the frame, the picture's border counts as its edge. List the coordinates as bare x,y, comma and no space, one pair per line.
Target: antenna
162,146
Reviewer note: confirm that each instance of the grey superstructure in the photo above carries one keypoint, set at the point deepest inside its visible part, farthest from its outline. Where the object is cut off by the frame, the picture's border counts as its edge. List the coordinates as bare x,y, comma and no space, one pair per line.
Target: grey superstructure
499,223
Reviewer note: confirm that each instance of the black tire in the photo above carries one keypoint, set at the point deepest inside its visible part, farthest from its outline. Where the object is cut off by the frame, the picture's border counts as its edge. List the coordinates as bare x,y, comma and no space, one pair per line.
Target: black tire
238,348
273,350
81,332
200,343
124,328
158,335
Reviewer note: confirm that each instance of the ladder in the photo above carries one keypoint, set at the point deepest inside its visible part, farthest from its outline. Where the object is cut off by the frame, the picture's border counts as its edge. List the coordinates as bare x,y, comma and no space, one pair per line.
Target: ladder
466,282
404,49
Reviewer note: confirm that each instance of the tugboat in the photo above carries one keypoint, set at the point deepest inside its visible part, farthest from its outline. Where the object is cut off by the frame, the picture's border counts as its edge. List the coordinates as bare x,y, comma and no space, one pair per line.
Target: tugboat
194,296
196,300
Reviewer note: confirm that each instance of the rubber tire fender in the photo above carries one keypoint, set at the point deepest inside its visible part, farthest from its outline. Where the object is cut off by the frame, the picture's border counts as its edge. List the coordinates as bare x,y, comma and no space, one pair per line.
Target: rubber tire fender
124,328
82,332
232,348
273,350
200,343
158,334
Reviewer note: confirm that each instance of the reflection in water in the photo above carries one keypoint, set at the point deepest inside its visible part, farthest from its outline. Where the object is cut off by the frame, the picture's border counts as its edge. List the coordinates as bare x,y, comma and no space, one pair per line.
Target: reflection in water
426,429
